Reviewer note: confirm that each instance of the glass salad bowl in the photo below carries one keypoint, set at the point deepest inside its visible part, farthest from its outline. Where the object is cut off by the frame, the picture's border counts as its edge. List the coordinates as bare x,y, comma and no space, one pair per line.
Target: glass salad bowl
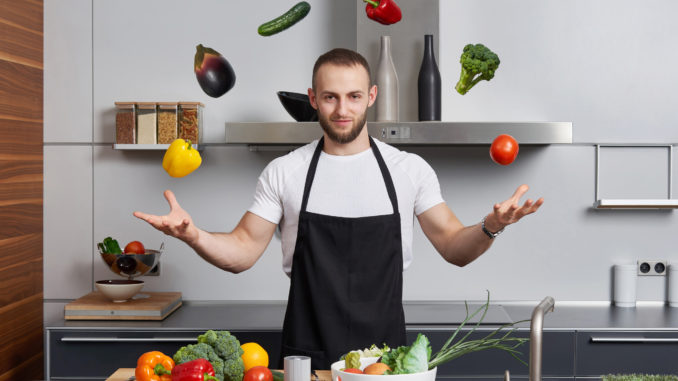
132,265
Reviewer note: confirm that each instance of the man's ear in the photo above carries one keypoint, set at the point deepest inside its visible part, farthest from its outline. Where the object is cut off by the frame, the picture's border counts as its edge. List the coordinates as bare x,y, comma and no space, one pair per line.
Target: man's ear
312,99
372,95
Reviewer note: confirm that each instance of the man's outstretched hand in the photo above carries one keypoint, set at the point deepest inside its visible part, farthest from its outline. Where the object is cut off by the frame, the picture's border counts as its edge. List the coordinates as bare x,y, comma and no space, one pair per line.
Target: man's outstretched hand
177,223
510,211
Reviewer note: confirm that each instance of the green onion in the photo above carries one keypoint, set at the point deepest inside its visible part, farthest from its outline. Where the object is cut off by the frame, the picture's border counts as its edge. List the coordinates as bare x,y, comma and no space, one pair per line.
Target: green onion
503,340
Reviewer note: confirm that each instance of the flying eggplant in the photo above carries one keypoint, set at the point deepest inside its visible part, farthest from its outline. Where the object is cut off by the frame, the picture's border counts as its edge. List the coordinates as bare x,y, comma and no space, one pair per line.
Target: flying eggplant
215,75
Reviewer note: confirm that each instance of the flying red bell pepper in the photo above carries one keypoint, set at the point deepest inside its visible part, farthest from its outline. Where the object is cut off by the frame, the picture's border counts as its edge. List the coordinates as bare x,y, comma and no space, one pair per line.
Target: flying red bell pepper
195,370
386,12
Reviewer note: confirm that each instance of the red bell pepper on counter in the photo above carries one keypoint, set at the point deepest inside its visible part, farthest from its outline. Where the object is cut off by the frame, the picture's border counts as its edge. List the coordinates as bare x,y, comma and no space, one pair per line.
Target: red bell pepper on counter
195,370
386,12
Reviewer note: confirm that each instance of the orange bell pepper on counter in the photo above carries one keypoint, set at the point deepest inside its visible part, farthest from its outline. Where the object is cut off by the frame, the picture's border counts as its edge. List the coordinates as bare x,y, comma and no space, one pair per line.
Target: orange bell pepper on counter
154,366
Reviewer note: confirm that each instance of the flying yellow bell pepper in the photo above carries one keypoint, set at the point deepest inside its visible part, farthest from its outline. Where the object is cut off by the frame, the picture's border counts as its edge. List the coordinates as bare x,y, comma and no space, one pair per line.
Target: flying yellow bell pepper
181,158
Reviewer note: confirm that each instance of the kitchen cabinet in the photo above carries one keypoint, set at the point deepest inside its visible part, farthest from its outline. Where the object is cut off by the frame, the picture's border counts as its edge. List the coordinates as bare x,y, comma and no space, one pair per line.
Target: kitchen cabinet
579,341
604,352
558,356
94,354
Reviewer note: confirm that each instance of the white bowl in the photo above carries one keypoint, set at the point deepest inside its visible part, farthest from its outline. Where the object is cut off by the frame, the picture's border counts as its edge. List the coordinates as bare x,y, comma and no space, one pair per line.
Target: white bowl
119,290
338,375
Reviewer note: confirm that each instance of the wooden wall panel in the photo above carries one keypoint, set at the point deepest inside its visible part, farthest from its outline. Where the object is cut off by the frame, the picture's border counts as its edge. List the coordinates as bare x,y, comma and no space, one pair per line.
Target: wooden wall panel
26,14
20,92
24,46
20,140
22,336
23,248
21,189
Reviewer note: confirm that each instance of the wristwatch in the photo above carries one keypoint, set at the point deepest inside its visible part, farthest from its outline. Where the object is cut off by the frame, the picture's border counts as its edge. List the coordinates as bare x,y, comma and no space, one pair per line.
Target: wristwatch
489,233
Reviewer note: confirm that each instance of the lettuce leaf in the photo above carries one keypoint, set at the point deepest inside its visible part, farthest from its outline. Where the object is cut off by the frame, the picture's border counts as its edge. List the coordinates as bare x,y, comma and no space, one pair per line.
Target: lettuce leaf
409,359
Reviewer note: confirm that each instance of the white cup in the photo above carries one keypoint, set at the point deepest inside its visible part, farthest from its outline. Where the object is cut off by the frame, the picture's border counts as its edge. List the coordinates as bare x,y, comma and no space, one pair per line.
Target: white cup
625,278
297,368
672,273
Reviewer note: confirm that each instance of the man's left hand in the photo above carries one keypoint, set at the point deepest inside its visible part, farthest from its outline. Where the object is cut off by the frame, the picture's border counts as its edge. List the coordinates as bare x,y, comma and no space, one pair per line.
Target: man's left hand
510,211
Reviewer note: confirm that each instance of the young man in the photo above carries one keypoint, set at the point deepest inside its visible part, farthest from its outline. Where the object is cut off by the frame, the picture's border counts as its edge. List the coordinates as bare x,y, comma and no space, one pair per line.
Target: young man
345,204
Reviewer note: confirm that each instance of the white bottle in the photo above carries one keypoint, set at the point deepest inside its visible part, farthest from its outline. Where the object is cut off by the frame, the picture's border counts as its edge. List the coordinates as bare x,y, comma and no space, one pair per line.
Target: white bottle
387,84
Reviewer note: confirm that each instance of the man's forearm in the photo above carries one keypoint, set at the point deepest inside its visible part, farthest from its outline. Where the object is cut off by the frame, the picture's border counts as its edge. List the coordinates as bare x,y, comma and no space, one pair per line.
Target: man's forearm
466,245
224,250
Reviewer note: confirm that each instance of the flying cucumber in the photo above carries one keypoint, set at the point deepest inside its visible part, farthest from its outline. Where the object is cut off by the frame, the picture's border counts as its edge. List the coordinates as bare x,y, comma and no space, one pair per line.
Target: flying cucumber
286,20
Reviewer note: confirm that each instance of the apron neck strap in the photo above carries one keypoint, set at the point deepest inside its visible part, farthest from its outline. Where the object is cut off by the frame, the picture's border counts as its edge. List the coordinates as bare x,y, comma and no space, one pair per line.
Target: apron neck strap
390,188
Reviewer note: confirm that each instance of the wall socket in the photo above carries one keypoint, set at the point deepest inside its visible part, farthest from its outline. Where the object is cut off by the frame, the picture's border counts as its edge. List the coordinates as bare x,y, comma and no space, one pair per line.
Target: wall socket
647,267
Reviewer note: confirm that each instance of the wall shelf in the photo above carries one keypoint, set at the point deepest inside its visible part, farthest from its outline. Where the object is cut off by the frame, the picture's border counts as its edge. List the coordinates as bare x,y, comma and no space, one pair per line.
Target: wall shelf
147,147
405,133
636,204
662,203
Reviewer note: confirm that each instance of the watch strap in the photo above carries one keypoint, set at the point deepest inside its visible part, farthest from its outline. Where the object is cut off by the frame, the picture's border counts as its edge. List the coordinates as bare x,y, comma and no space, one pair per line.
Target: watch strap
487,232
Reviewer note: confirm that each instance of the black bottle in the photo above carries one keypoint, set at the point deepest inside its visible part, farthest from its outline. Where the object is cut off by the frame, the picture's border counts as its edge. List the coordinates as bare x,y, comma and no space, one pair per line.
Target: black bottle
429,84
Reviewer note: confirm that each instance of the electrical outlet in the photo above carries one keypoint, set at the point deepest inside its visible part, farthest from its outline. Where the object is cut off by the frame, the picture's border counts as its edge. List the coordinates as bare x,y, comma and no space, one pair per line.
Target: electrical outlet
647,267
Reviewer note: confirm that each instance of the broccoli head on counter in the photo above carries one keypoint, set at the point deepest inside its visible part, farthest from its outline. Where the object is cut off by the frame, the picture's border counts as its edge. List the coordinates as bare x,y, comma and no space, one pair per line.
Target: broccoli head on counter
221,349
478,63
201,351
228,348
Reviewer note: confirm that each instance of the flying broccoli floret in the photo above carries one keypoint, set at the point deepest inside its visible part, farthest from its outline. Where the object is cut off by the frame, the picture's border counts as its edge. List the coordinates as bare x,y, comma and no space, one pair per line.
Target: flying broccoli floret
201,351
227,347
478,63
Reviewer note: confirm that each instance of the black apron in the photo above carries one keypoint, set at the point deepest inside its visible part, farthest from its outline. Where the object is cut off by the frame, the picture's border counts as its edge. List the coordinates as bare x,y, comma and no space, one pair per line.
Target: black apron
346,280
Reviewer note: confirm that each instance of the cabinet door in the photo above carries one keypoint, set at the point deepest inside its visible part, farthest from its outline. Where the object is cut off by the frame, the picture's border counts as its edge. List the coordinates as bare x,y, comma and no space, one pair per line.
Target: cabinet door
600,353
95,355
557,356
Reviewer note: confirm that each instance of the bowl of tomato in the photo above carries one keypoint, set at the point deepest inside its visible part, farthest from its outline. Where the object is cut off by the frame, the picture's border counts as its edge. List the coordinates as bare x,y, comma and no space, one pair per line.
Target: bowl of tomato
134,261
339,373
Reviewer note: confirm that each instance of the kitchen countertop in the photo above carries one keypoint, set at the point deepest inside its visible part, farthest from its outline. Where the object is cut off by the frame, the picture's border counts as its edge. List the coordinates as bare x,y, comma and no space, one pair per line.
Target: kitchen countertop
263,315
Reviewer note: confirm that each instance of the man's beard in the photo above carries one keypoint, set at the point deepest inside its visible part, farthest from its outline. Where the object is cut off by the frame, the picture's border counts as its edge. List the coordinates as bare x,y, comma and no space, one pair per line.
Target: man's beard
342,138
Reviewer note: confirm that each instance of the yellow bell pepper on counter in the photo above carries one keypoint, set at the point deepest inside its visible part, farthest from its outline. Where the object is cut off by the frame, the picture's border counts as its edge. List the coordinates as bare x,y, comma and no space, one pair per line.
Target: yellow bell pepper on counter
154,366
181,158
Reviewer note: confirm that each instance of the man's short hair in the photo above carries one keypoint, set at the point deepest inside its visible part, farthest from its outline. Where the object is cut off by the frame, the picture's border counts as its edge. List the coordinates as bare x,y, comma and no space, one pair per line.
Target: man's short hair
341,57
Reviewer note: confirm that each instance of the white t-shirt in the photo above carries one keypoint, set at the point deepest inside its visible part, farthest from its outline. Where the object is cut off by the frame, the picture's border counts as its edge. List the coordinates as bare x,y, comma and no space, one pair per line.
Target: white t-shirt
344,186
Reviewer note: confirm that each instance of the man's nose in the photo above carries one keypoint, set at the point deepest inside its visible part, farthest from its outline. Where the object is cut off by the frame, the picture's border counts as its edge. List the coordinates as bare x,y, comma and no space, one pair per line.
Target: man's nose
341,106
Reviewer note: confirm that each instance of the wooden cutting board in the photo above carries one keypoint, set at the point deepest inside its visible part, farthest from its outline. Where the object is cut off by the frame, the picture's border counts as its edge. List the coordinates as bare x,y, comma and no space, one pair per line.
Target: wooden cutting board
125,374
95,306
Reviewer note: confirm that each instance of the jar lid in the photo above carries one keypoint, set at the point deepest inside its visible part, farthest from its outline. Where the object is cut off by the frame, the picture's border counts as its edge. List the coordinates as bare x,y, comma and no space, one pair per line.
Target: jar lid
191,104
167,105
124,105
146,105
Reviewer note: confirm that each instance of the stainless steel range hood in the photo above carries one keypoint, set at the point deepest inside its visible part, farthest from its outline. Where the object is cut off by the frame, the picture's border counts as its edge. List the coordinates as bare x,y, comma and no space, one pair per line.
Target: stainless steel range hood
404,133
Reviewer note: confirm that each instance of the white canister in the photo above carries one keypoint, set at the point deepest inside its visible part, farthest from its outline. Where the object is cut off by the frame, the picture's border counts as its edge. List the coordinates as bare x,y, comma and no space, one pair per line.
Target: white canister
297,368
672,273
624,285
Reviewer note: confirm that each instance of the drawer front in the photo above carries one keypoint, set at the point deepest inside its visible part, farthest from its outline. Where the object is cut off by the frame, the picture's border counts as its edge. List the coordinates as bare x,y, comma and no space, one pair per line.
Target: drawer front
600,353
96,354
557,353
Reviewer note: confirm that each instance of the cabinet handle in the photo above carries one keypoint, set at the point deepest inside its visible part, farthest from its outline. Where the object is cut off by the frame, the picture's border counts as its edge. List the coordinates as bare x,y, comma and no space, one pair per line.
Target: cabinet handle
595,339
128,339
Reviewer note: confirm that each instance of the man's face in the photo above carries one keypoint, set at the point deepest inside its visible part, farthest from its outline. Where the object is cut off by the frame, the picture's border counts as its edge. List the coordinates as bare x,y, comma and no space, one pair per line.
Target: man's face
342,96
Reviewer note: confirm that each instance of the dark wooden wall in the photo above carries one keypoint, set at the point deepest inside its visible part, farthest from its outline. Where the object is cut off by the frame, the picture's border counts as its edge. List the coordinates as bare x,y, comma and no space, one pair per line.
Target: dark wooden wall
21,72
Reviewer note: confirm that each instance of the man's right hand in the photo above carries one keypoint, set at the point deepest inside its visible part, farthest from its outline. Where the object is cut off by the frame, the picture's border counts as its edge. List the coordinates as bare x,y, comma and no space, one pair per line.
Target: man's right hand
177,223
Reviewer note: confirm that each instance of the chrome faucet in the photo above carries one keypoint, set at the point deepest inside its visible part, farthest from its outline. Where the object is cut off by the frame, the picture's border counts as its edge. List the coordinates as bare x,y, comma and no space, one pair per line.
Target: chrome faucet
536,333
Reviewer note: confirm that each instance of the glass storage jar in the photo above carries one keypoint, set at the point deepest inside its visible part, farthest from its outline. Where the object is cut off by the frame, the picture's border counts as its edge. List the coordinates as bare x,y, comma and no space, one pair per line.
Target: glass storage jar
146,123
125,123
167,122
190,121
